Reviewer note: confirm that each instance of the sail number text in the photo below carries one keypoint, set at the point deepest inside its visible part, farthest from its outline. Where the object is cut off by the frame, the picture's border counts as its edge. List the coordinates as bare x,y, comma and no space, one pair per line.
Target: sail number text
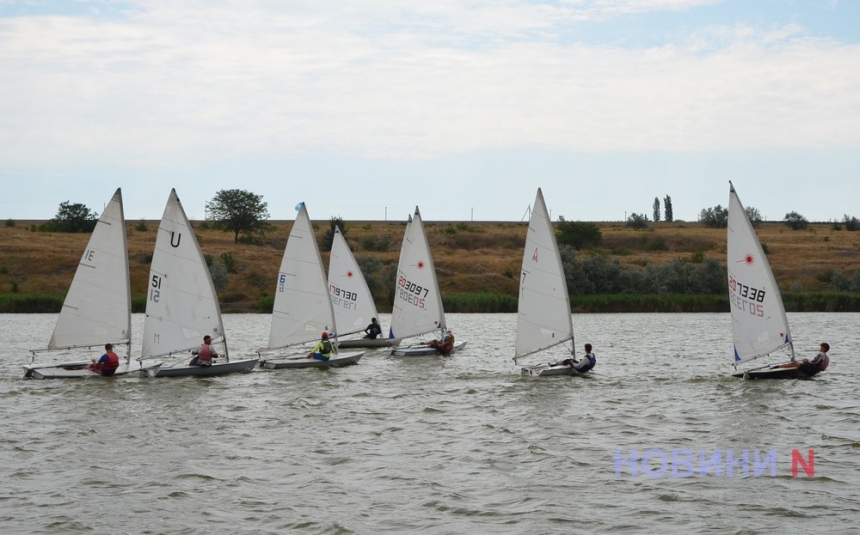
155,289
342,298
746,297
411,292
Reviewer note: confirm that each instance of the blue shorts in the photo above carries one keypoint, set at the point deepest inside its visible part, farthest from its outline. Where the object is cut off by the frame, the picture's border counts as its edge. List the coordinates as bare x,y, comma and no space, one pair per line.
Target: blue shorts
320,356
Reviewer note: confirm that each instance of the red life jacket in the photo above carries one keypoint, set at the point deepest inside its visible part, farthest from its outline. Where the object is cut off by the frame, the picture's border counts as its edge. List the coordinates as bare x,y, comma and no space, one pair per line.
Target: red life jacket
112,361
204,354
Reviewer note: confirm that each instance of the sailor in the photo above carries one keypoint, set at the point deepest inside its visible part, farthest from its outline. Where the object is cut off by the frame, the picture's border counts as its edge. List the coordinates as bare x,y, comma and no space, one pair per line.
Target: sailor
582,365
818,364
107,363
443,346
204,354
321,351
373,330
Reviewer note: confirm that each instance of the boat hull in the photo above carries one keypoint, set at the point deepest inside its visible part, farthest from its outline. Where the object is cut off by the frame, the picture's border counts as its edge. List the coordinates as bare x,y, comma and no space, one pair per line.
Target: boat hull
219,368
771,373
423,351
79,369
343,359
368,343
544,370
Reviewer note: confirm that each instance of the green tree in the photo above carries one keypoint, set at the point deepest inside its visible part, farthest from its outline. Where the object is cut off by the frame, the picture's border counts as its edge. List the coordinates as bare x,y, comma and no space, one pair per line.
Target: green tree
795,221
656,209
715,217
72,218
667,209
577,234
240,212
328,237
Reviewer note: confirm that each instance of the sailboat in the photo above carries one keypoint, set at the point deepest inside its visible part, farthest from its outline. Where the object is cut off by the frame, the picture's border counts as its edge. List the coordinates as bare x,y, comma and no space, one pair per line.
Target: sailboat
543,309
351,298
97,309
417,306
303,308
759,324
181,303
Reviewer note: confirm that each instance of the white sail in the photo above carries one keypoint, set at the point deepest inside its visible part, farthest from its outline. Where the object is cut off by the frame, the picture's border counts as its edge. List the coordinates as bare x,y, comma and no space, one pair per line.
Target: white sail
302,309
350,297
759,325
417,301
97,308
543,310
181,305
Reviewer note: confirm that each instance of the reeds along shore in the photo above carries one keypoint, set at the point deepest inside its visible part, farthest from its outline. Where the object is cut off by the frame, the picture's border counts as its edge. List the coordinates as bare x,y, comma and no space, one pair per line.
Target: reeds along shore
478,264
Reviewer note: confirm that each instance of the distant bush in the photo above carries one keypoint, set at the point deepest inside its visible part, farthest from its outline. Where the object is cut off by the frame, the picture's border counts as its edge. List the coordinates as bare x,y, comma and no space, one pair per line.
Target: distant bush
141,226
754,215
10,222
377,243
577,234
851,223
638,221
71,218
655,243
266,304
795,221
229,262
838,282
716,217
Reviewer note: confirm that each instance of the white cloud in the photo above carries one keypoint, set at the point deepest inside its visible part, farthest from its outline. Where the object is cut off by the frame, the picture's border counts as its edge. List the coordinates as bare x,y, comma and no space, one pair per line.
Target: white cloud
177,83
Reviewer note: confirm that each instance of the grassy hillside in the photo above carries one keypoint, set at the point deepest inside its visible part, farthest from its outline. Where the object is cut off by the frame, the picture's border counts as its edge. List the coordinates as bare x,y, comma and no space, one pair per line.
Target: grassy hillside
471,258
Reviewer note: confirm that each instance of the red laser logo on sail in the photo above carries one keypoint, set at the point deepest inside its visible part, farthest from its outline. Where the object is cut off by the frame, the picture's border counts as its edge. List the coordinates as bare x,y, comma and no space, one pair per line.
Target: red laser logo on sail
749,259
420,264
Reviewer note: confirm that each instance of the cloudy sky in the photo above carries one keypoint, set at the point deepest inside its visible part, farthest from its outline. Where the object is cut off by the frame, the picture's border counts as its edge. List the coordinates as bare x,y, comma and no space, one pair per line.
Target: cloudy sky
365,109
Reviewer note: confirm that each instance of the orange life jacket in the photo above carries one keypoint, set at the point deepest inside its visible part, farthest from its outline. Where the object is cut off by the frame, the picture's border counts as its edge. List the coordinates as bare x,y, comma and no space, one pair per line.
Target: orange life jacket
112,362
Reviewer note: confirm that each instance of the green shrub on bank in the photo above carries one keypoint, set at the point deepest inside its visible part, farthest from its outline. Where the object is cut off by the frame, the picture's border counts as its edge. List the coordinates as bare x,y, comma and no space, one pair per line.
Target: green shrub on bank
30,303
479,302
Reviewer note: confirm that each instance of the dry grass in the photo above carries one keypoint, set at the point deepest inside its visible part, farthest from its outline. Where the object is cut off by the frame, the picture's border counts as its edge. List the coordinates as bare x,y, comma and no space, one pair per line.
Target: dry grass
471,257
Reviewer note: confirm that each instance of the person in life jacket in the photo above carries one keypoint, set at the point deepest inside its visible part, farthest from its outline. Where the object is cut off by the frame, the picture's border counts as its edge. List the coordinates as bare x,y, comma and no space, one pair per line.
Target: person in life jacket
321,351
373,330
582,365
809,368
204,354
107,363
443,346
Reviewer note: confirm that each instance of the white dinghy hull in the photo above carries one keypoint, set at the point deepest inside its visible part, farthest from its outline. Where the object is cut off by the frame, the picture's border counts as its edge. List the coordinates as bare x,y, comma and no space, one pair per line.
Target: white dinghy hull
342,359
71,370
368,343
424,351
219,368
545,370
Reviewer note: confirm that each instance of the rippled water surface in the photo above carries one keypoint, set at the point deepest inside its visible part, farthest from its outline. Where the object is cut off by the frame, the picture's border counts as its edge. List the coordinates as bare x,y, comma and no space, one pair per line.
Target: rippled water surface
437,446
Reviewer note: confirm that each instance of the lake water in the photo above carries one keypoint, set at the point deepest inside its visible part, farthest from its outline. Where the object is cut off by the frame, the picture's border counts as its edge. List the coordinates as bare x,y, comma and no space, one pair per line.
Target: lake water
440,446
